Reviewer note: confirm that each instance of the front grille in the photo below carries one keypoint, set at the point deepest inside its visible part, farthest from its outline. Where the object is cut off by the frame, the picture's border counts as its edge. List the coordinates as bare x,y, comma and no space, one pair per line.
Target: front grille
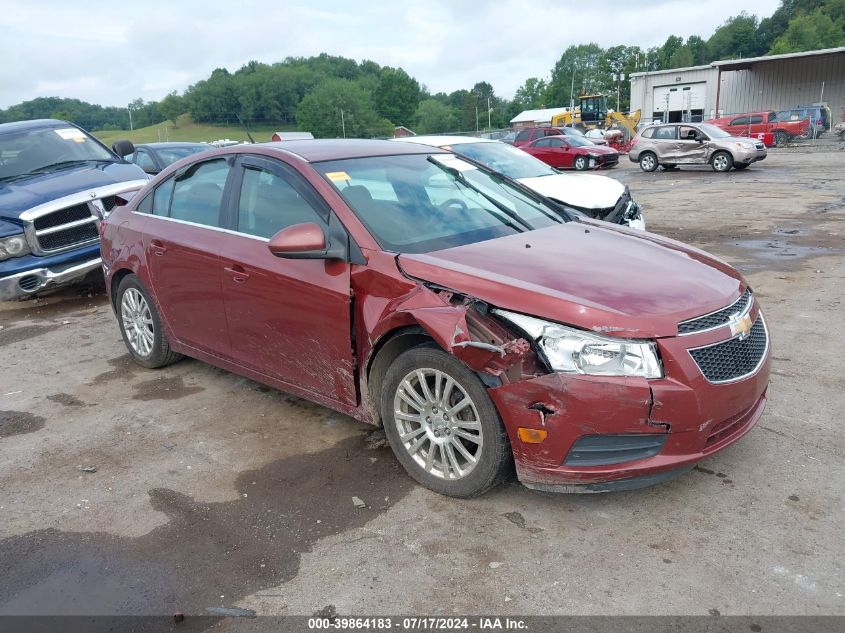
734,358
716,319
63,216
69,237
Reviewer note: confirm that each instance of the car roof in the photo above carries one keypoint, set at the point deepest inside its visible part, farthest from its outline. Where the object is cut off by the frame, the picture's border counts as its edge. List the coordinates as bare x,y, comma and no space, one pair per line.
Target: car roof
318,150
34,124
174,144
440,141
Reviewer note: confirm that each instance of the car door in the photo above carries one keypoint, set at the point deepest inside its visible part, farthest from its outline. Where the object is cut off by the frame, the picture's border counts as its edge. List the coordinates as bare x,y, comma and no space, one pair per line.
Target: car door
738,126
541,148
688,149
561,152
664,143
182,239
288,318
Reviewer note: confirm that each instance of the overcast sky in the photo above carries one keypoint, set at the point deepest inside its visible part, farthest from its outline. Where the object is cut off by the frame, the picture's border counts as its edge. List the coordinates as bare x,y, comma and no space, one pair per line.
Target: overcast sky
112,52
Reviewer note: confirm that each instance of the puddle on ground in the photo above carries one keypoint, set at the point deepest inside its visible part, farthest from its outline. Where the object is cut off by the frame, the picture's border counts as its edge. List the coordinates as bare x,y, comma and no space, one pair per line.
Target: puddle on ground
66,400
18,423
164,388
11,335
124,368
208,554
777,248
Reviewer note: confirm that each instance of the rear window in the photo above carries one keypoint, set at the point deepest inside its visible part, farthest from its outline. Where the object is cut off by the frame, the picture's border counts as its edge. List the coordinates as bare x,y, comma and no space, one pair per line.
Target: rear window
648,132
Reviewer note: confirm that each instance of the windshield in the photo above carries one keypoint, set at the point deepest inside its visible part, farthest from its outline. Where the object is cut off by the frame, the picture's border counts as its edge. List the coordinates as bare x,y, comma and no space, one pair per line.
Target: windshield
170,155
712,131
506,159
35,151
418,203
579,141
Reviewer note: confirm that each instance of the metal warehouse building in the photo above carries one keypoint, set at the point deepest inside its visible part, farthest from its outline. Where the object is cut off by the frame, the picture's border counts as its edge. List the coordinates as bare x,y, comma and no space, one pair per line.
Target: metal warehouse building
776,82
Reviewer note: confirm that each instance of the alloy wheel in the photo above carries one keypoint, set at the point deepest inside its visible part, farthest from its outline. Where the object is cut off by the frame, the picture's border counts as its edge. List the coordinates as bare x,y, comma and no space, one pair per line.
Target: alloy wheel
647,162
438,423
137,322
721,163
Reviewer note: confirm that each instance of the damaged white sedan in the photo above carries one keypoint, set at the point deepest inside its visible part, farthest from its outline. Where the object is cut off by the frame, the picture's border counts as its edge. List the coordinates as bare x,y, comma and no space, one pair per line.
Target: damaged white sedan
598,197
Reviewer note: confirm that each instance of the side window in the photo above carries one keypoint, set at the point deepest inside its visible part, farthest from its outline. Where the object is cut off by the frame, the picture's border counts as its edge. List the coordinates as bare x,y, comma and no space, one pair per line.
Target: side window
773,117
543,142
648,132
757,118
665,133
742,120
268,203
161,198
144,160
556,142
552,131
198,193
523,136
686,133
146,205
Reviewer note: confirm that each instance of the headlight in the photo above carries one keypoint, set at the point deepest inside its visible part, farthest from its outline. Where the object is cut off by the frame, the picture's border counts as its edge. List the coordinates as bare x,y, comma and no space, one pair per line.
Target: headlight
13,246
577,351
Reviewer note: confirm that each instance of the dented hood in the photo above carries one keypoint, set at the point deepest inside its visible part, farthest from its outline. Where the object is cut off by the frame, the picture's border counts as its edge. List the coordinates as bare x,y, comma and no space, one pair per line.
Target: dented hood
603,278
585,191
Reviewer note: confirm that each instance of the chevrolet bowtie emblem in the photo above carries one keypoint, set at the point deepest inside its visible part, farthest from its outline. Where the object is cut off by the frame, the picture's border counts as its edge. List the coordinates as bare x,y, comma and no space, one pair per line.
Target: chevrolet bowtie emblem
740,326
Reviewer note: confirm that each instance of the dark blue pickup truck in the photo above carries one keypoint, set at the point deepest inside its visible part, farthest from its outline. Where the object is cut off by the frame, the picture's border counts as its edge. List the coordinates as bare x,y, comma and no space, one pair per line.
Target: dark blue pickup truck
56,183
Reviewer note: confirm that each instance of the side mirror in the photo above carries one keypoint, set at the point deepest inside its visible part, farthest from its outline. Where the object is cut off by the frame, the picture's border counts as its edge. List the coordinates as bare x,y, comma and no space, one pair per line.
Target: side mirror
123,148
299,241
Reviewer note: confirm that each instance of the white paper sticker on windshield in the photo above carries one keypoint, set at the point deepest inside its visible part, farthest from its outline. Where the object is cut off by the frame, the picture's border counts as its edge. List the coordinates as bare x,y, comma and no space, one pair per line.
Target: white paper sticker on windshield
453,162
70,134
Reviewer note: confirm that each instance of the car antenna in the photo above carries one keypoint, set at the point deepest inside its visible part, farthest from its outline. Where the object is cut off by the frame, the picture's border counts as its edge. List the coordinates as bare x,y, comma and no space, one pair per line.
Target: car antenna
246,129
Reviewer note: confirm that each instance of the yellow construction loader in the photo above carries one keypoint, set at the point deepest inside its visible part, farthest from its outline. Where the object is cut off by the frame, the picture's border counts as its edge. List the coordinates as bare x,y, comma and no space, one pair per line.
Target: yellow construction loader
593,113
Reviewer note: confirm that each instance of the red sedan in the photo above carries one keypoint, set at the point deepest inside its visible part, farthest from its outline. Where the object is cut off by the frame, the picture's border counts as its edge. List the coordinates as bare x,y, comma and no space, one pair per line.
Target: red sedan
572,152
409,288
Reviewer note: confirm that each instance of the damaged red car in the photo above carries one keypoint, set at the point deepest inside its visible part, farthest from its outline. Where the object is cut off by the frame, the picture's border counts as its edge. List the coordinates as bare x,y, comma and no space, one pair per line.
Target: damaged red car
483,328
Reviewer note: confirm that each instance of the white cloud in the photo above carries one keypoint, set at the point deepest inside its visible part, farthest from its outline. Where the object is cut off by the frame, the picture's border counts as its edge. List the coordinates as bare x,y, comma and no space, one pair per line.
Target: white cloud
111,53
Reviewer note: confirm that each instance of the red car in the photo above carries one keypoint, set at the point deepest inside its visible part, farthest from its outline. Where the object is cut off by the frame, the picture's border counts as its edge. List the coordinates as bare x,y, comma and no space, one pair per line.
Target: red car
407,287
762,124
572,152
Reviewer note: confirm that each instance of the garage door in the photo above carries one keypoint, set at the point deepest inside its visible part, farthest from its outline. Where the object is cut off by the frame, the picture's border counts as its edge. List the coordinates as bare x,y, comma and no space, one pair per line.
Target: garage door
680,97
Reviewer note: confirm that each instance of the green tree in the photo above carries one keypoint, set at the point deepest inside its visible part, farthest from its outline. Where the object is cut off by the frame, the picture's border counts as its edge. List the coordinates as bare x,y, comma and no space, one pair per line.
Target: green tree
172,106
698,47
340,107
681,58
433,116
397,95
582,62
530,95
736,38
809,32
669,48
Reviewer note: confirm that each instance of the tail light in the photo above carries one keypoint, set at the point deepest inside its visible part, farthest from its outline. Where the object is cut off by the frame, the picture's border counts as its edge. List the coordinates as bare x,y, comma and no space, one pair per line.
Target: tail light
633,141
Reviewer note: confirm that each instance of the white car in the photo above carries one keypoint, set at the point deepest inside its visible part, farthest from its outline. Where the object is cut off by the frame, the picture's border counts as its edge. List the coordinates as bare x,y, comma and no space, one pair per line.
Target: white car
596,196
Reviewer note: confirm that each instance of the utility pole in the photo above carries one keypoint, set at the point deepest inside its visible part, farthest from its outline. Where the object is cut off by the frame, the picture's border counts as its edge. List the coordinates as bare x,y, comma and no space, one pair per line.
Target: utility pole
572,92
342,123
129,110
489,125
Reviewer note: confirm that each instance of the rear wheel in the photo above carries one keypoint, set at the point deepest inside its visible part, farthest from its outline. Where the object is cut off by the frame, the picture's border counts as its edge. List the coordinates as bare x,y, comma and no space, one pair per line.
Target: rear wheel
781,138
722,161
442,425
648,161
581,163
140,325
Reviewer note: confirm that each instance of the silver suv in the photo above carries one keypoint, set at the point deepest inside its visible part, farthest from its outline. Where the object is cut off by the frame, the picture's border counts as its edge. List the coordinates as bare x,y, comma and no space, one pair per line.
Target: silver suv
677,144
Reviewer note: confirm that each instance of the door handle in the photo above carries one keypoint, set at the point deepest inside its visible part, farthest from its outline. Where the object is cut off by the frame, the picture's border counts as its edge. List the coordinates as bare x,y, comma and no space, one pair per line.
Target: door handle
239,275
158,248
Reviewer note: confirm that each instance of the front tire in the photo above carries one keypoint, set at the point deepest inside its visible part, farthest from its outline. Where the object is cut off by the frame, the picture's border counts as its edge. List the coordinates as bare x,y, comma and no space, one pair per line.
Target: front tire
722,162
141,326
581,163
648,161
442,424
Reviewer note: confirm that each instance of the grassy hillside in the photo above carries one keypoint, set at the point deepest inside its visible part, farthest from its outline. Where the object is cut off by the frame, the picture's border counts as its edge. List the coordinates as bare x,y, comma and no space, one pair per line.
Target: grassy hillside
187,130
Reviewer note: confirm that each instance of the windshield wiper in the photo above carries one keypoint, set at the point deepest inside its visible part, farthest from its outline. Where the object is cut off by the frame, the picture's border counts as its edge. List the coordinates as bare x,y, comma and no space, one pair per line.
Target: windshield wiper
459,177
66,163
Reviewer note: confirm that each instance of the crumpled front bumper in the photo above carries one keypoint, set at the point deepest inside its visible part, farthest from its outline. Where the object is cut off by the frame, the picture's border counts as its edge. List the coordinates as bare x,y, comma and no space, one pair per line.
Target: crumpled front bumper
33,281
691,416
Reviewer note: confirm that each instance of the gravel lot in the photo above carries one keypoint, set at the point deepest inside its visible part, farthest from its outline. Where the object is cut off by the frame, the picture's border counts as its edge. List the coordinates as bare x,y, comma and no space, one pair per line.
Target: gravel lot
213,491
